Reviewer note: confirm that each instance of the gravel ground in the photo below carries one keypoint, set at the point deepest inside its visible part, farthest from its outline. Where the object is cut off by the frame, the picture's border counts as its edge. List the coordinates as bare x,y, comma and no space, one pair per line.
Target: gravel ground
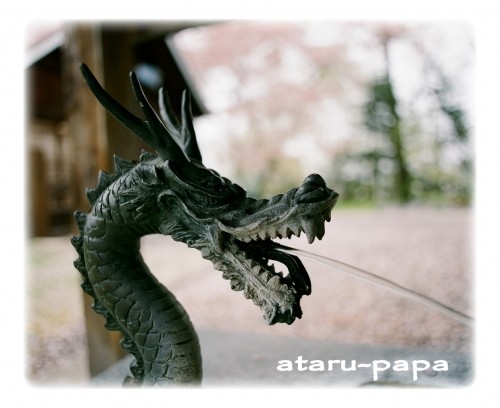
426,250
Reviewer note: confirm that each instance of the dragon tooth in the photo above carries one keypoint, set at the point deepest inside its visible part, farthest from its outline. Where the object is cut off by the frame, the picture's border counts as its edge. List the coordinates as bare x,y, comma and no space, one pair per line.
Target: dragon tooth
262,273
289,233
321,230
249,263
257,269
274,282
310,230
296,229
271,233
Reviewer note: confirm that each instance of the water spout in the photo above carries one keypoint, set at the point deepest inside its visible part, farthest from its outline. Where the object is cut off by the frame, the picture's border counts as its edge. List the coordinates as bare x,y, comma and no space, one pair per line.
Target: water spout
377,280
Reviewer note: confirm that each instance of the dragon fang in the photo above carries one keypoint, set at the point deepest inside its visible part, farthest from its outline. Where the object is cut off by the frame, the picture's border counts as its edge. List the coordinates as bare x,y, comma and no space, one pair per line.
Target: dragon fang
171,192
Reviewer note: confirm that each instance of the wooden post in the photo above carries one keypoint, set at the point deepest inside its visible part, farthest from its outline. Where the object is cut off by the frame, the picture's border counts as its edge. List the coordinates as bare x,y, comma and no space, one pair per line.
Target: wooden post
39,212
86,126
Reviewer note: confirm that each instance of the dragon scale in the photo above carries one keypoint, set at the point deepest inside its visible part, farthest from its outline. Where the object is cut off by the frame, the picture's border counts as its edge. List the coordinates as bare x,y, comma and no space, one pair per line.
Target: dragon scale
123,285
171,192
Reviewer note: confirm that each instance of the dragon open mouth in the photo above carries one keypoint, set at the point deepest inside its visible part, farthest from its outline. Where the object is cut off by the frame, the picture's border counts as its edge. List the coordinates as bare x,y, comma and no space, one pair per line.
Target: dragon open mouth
250,252
270,251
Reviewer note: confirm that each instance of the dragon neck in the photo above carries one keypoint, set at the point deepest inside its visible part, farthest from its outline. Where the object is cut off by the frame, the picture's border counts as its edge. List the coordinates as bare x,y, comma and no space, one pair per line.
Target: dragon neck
156,328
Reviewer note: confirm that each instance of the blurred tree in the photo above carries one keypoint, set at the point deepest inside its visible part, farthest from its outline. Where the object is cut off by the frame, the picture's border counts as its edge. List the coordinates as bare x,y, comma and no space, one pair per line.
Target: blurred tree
381,116
452,134
386,115
294,98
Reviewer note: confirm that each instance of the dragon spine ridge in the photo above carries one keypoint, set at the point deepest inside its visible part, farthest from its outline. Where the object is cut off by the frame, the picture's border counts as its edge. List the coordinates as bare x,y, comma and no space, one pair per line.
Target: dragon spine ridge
173,193
105,179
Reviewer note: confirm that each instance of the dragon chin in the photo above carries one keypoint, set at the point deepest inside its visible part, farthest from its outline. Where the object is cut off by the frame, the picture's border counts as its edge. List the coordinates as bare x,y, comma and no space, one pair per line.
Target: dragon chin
244,250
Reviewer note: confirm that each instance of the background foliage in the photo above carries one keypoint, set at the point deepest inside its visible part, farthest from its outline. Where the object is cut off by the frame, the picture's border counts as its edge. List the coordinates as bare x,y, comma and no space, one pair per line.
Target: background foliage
382,110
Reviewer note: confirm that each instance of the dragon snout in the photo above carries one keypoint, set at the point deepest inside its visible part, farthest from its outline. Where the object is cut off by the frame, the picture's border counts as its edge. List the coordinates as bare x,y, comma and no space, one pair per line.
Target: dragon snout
314,189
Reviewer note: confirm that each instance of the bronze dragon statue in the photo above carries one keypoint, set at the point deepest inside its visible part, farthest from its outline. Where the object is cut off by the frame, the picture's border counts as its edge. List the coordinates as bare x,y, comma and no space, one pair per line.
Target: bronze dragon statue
171,192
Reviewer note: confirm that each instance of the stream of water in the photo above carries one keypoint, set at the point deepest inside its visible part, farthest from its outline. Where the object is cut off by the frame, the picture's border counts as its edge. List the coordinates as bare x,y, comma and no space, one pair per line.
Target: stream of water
377,280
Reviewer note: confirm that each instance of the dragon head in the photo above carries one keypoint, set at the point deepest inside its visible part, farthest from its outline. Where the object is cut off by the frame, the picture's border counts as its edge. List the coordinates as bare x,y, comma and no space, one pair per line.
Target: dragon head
197,206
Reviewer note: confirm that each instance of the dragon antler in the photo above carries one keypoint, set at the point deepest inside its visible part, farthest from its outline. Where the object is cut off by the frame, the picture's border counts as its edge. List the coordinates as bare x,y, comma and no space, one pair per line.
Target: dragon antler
171,140
184,132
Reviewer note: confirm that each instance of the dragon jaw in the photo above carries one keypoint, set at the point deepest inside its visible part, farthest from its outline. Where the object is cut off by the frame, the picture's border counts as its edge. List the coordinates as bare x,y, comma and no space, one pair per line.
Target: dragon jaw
243,246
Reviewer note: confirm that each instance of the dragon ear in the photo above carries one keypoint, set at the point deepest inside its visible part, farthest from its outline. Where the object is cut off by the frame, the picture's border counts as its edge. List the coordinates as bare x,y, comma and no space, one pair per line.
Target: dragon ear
183,132
152,131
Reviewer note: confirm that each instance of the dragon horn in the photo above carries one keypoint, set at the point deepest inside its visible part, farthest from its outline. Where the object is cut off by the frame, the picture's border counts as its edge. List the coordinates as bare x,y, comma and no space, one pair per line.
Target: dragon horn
164,145
131,121
184,134
188,133
167,114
